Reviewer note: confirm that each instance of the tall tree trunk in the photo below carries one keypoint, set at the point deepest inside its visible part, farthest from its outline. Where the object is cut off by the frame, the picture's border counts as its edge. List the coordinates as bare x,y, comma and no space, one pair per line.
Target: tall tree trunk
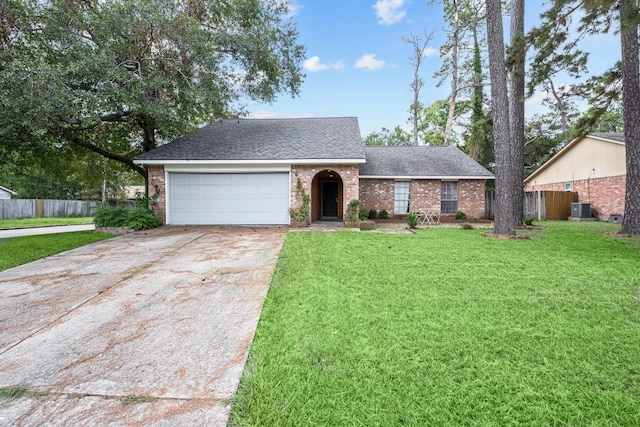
478,137
501,128
631,113
454,74
516,106
419,44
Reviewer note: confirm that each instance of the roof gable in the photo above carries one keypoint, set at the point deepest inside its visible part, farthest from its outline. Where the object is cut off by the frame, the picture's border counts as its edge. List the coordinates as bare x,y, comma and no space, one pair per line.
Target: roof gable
265,139
615,138
6,190
609,136
421,161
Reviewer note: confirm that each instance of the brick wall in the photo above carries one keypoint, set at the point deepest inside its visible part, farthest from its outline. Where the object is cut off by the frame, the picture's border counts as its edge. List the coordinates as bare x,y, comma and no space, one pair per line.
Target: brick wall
349,174
425,193
157,190
379,194
471,197
606,195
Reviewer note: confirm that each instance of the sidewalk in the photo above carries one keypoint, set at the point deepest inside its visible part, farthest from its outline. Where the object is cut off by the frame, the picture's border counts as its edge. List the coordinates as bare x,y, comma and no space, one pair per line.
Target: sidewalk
32,231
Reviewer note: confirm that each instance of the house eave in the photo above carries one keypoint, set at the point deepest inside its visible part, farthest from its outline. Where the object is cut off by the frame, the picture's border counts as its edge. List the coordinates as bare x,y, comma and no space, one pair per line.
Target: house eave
13,193
564,150
251,162
410,177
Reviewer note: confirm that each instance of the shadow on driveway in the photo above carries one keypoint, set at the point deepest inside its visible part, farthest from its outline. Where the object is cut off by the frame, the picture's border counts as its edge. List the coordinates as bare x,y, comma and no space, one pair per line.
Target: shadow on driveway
151,328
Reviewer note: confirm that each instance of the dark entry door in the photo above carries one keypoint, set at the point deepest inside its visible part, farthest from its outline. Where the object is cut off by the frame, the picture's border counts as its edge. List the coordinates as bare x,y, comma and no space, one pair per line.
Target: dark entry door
330,199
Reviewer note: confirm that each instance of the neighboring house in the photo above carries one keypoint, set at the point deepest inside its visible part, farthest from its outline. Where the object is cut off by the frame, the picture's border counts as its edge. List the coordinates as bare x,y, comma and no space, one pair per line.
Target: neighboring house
594,166
245,171
5,193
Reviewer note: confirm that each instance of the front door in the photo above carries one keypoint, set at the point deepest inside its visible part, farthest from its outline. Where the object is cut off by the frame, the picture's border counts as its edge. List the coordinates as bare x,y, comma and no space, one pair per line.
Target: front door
330,199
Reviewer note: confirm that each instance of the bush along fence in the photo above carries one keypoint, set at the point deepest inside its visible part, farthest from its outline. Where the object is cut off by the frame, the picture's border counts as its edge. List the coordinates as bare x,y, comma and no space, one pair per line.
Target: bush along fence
39,208
540,205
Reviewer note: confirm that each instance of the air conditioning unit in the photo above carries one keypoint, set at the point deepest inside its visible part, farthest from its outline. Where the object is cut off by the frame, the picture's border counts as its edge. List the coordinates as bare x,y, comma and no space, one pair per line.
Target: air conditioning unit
581,210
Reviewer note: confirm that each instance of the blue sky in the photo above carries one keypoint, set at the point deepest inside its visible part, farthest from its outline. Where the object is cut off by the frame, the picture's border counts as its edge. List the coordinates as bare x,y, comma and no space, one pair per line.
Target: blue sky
358,65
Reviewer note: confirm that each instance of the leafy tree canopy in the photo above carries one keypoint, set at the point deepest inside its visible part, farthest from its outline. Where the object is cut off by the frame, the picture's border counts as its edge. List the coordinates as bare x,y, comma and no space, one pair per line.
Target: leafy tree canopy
397,136
119,77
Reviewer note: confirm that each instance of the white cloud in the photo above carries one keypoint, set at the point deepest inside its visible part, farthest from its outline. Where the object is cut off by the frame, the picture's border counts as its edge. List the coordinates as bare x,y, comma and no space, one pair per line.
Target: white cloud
389,11
338,65
294,9
429,52
314,65
537,98
540,96
369,61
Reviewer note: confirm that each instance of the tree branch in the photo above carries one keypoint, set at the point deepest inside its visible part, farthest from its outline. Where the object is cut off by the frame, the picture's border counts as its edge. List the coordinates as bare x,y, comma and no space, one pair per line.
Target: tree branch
108,118
77,141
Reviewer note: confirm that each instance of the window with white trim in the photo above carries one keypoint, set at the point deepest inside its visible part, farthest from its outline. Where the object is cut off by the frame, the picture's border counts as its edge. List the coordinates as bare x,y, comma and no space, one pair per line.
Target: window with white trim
401,198
449,197
567,186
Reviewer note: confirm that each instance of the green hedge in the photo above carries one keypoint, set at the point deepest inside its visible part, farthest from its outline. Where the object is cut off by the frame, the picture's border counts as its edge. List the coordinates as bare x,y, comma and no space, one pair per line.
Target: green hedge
139,218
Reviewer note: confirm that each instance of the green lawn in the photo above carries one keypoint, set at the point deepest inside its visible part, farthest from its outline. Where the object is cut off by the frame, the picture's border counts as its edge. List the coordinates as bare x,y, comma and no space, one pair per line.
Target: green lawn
42,222
21,250
448,327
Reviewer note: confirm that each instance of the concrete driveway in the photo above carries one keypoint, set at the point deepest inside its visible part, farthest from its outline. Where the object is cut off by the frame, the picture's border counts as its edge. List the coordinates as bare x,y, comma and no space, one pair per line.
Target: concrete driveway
151,328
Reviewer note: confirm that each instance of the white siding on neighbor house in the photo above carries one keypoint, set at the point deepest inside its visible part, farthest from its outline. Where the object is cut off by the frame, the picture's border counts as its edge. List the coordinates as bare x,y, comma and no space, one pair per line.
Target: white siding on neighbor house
5,193
228,198
589,158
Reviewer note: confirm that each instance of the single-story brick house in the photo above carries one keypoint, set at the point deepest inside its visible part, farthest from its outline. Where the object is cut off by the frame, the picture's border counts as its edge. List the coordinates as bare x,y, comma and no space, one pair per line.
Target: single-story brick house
245,171
594,166
404,179
5,193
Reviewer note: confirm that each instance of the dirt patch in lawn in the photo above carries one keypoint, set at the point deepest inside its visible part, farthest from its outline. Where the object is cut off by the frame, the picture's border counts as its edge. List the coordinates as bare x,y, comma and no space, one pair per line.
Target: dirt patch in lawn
508,236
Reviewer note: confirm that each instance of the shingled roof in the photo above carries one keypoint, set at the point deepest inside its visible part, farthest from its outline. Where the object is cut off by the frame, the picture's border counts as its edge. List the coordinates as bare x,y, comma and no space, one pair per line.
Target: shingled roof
611,136
422,161
266,139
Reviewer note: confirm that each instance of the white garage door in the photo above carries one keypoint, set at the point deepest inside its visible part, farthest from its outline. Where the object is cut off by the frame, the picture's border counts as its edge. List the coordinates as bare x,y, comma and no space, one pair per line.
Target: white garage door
234,198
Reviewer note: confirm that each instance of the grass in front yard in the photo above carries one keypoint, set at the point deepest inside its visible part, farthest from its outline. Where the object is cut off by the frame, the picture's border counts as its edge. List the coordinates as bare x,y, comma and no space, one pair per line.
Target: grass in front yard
21,250
43,222
447,327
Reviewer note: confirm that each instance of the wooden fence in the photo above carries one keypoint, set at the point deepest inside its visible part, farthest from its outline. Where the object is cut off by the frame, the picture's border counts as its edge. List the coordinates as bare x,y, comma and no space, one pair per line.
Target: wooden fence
541,205
37,208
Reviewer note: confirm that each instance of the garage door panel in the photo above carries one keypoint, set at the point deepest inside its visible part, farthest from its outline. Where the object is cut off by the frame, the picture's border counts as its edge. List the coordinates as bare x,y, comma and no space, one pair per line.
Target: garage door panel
257,198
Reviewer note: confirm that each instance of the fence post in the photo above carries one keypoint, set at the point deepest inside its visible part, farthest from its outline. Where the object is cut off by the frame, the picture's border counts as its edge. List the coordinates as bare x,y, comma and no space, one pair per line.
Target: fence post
39,209
539,205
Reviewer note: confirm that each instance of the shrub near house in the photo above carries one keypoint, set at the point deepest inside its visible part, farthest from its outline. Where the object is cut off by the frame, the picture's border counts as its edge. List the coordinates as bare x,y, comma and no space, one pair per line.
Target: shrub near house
139,218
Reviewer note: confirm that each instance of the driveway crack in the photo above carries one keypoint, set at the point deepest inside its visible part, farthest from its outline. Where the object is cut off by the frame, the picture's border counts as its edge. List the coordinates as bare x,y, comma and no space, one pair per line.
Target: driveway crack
98,294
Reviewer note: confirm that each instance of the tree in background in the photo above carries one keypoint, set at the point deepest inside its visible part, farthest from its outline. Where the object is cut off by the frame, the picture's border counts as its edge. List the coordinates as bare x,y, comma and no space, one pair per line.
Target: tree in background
121,77
479,140
395,137
451,9
465,19
67,173
433,121
419,45
544,137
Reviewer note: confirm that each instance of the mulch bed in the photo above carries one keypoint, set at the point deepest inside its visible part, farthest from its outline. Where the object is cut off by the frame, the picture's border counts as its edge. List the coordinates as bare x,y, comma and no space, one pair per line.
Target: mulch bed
443,220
